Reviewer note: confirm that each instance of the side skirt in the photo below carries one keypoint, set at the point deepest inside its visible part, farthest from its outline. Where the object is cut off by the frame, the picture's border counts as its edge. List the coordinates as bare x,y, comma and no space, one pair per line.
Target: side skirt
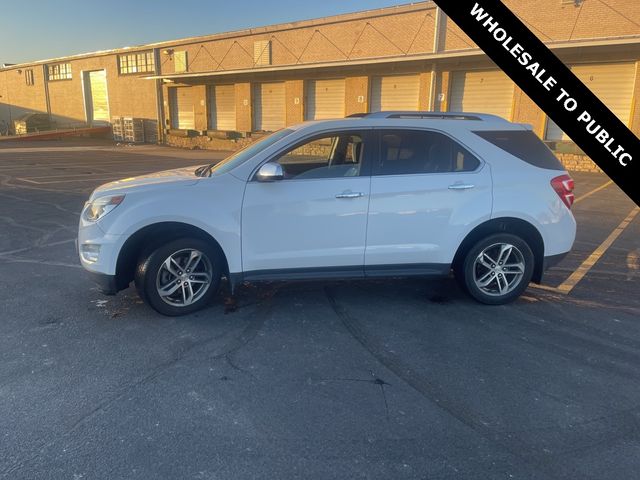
341,273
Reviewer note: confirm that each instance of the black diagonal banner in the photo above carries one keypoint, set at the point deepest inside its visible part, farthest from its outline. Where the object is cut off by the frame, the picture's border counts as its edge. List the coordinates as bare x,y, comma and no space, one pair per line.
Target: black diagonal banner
552,86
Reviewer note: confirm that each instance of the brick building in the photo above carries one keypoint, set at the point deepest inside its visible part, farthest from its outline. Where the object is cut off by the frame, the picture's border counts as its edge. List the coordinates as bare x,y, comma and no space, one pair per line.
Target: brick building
218,90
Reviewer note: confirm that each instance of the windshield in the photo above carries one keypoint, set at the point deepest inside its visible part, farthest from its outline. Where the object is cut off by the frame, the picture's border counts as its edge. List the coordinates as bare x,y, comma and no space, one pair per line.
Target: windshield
247,152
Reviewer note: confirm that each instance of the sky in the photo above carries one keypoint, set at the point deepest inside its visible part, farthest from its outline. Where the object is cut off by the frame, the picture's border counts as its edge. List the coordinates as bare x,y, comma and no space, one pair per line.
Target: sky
42,29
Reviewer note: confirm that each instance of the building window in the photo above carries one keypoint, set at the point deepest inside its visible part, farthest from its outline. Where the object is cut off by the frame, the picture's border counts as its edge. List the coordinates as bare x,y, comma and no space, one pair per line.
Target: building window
59,71
140,62
180,61
28,76
262,53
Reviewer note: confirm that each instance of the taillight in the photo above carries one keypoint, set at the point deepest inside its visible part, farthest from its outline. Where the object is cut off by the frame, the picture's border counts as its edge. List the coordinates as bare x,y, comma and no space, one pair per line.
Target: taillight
563,185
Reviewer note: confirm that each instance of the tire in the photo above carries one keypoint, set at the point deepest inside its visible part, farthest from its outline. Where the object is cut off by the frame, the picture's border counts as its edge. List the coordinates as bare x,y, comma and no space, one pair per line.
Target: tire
188,283
486,279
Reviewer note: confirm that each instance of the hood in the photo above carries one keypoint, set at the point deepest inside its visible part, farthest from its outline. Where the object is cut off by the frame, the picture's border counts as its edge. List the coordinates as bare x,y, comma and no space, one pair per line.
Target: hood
184,176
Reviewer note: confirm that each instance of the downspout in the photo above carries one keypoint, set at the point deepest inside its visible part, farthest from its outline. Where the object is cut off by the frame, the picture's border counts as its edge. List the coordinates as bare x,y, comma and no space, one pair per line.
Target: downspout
438,41
47,100
159,97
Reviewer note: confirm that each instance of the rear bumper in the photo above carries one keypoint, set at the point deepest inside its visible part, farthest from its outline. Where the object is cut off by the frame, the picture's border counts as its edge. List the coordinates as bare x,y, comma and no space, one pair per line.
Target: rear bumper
106,283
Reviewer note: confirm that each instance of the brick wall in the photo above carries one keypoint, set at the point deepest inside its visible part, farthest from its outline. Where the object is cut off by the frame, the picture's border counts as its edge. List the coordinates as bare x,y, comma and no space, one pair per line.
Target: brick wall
22,98
526,111
356,89
551,20
394,32
244,101
294,102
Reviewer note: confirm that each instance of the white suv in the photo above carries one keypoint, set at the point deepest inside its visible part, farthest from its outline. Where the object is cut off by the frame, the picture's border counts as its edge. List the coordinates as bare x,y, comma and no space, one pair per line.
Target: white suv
378,195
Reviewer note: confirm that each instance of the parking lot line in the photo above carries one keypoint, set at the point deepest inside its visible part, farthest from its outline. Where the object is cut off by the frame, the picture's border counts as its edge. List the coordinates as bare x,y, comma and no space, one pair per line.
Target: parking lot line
595,190
101,177
584,268
69,176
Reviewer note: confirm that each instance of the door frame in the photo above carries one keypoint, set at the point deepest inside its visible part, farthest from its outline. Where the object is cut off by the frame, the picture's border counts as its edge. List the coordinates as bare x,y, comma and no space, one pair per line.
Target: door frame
84,74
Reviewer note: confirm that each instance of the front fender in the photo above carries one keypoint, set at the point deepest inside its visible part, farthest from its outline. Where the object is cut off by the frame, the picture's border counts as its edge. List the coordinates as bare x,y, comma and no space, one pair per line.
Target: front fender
211,205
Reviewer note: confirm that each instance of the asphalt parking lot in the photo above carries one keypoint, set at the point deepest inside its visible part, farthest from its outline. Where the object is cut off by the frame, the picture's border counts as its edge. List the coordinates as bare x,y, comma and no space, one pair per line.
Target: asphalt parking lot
368,379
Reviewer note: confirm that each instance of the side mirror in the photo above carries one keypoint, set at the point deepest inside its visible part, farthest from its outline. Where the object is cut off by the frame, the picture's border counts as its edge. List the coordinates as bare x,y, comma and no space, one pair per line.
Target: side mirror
270,172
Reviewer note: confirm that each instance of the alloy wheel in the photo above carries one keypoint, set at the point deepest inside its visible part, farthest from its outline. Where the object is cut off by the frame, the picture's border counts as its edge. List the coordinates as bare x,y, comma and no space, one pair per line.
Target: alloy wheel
499,269
184,277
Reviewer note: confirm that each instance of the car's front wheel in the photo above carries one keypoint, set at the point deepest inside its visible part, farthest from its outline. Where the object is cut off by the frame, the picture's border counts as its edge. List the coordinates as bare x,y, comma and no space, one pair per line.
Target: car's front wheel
497,269
179,277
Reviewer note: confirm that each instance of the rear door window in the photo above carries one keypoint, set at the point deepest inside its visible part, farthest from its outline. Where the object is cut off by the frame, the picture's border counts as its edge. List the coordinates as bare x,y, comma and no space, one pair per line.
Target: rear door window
406,152
523,144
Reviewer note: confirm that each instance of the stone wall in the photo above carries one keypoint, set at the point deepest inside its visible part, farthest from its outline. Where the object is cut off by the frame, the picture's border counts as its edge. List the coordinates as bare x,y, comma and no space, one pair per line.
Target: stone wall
205,142
575,162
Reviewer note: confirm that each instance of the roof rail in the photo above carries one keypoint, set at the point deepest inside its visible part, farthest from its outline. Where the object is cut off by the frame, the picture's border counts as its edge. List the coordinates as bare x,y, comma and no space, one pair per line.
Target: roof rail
431,116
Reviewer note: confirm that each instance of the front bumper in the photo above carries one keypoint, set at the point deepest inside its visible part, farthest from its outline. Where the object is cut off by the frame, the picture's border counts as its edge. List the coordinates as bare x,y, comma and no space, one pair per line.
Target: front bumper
101,270
106,283
108,248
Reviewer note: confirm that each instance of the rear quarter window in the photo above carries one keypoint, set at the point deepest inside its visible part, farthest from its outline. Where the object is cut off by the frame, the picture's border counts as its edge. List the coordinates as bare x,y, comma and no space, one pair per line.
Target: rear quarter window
523,144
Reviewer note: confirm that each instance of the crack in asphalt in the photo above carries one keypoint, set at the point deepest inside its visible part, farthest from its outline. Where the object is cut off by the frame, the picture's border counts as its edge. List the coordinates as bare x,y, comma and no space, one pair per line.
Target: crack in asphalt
376,380
248,333
436,395
33,247
40,202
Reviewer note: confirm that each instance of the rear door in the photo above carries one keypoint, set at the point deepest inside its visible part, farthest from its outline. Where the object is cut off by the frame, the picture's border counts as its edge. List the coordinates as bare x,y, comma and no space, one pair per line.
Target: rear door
427,191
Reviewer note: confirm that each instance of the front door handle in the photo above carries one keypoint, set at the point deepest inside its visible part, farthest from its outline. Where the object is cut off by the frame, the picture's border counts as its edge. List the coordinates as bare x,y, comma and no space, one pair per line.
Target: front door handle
461,186
350,195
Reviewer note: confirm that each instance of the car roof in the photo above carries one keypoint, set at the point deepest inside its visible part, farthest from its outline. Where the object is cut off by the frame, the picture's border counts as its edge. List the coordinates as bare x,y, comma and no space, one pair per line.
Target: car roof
446,121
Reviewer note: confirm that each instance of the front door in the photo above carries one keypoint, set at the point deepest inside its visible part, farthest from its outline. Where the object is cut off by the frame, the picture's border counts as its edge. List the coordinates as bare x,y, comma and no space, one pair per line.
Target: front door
426,190
314,219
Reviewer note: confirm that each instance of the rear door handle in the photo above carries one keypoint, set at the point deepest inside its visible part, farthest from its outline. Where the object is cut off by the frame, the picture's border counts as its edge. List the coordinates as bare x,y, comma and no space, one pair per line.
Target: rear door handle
350,195
461,186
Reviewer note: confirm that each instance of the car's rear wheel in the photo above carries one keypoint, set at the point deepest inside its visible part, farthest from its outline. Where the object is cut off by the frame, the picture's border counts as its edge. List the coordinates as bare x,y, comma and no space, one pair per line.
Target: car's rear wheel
179,277
497,269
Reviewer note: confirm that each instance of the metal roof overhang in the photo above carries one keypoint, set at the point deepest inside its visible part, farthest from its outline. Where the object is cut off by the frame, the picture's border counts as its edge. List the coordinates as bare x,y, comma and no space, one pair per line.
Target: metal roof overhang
560,48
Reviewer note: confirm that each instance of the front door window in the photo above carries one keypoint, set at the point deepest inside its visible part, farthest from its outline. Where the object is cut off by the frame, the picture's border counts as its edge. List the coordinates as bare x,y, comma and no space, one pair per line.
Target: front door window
332,156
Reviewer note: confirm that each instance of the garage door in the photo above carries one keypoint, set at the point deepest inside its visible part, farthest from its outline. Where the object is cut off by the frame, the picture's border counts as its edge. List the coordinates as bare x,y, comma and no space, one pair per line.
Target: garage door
96,96
268,106
325,99
398,92
482,92
612,83
222,107
182,111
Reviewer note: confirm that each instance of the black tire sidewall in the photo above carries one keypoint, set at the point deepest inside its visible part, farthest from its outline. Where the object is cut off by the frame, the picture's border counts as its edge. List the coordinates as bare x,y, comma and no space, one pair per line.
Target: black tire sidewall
150,263
468,268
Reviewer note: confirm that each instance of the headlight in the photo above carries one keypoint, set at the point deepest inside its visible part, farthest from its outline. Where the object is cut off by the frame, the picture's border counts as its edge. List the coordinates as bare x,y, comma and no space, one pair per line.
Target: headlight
97,209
